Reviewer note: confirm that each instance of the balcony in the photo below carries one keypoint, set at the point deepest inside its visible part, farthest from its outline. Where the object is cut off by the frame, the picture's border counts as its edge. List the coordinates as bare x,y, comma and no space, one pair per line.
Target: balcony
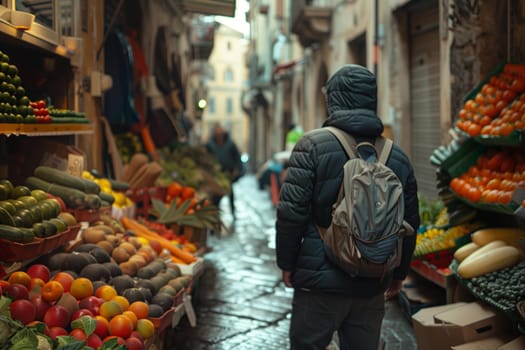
207,7
202,38
311,23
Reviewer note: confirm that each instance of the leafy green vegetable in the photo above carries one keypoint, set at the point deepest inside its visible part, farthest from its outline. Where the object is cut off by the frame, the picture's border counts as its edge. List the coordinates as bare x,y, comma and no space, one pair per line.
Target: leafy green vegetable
69,343
86,323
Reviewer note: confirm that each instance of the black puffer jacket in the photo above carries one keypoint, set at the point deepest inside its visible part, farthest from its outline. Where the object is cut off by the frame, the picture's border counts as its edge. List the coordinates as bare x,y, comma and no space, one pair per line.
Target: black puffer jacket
312,183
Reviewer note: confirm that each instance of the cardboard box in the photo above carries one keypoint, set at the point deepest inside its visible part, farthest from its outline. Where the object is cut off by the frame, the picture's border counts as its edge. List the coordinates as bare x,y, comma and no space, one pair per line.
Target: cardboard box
431,335
516,344
474,321
491,343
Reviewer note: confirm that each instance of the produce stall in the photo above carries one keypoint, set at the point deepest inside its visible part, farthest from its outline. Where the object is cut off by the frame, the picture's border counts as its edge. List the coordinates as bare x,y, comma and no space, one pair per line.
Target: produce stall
477,241
85,259
77,267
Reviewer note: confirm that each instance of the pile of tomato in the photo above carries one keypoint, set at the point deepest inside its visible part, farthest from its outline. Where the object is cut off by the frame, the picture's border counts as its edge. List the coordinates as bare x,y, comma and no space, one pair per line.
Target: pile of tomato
494,177
489,113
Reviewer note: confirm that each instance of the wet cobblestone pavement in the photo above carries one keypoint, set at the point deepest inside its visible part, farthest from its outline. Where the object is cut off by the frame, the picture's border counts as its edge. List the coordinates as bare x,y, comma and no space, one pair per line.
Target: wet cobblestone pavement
240,301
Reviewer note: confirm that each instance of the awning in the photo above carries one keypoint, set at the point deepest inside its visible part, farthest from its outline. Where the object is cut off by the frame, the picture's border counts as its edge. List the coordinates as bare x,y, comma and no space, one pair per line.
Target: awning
283,67
208,7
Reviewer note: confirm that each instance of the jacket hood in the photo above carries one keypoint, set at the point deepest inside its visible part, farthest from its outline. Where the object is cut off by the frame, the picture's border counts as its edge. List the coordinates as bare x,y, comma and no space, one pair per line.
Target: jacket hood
352,101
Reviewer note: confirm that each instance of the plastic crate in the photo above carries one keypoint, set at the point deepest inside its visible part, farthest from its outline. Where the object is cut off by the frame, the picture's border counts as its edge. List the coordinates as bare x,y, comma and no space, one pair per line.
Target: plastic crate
14,251
142,198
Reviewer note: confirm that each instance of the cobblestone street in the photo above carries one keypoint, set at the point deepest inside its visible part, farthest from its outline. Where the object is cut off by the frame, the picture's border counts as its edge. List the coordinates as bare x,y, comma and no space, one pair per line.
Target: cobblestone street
240,301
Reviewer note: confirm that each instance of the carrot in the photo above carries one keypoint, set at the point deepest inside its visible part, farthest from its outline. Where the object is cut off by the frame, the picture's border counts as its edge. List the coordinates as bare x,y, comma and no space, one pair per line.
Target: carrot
142,231
177,260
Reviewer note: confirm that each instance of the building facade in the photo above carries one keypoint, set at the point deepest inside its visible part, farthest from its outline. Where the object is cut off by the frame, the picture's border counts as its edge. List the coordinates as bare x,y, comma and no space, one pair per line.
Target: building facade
426,54
225,81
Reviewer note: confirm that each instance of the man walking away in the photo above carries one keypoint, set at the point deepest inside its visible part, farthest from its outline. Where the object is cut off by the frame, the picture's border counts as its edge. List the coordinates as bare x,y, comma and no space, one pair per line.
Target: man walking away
327,299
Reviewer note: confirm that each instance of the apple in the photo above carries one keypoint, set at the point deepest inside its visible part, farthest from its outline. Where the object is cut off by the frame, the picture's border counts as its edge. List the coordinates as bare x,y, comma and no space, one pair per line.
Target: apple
133,343
92,303
41,306
57,315
22,310
39,271
56,331
16,291
94,341
36,282
136,334
81,312
78,333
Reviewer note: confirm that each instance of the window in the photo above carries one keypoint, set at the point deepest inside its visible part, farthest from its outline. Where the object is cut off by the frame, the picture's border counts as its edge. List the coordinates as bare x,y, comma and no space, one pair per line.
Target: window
228,74
229,106
228,46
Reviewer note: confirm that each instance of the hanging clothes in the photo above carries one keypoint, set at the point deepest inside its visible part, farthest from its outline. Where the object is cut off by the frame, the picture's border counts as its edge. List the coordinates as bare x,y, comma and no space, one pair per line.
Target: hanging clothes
119,106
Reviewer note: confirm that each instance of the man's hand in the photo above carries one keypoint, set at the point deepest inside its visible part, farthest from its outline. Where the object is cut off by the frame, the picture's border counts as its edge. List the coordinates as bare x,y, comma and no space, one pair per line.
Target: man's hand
393,289
286,279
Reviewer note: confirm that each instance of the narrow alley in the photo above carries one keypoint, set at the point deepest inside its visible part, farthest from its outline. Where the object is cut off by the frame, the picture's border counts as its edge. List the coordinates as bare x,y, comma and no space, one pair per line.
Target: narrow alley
240,301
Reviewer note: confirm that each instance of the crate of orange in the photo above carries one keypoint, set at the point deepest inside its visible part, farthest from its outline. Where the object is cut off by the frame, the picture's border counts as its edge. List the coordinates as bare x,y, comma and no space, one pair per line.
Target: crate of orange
485,114
490,178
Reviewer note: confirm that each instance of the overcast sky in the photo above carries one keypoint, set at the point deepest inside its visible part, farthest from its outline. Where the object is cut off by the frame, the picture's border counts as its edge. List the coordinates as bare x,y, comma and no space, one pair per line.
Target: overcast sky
239,21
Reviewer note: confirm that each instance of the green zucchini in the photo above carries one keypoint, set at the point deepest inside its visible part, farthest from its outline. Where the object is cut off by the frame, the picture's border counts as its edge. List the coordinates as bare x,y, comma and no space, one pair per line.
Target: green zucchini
6,218
119,185
107,197
93,201
73,198
60,177
16,234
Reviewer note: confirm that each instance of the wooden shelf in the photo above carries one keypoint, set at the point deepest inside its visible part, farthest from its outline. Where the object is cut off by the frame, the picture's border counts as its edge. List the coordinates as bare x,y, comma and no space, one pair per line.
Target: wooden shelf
31,38
52,129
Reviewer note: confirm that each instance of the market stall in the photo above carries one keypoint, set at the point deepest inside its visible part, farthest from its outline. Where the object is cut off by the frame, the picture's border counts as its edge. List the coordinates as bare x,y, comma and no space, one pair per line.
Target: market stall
475,240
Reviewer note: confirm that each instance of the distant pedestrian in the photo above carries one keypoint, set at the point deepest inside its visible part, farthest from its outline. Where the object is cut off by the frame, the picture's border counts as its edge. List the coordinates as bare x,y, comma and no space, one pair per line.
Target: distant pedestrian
327,299
293,135
222,147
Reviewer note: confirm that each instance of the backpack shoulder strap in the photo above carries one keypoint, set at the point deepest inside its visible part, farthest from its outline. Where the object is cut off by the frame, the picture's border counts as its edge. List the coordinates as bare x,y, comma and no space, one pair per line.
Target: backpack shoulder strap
383,148
347,141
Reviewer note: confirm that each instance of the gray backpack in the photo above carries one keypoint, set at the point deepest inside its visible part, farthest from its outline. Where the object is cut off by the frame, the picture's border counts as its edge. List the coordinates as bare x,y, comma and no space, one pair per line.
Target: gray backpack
365,235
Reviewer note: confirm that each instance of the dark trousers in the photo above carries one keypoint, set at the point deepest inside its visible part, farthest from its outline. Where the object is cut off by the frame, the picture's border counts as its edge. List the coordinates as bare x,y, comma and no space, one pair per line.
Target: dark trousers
316,316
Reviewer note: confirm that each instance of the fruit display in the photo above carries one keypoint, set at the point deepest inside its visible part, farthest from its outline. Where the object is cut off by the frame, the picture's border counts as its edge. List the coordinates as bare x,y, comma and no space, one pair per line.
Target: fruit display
111,189
436,239
16,107
484,113
493,179
14,104
194,167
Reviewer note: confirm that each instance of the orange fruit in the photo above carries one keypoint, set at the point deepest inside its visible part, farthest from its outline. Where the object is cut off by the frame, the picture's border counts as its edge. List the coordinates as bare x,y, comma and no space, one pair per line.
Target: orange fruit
140,309
120,326
110,309
65,280
106,292
52,291
146,328
123,302
81,288
20,277
131,315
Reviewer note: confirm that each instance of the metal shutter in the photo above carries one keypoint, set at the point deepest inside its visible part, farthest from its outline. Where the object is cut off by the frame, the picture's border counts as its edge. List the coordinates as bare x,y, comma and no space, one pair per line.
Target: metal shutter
424,95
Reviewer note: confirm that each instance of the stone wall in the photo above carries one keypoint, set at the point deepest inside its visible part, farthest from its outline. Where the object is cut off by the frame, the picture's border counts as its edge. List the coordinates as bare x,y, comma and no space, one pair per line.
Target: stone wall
479,44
